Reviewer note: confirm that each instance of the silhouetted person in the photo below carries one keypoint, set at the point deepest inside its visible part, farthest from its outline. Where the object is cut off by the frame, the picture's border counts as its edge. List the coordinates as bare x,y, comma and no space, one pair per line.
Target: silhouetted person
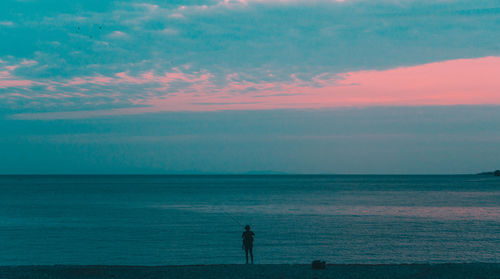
248,242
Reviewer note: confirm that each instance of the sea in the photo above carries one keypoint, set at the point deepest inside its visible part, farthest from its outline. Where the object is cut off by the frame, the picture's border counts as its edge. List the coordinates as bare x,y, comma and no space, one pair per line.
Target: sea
185,220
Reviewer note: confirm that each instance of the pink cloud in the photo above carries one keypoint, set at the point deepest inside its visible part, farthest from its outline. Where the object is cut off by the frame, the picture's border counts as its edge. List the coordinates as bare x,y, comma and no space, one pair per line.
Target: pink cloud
158,82
118,35
454,82
463,81
99,80
7,80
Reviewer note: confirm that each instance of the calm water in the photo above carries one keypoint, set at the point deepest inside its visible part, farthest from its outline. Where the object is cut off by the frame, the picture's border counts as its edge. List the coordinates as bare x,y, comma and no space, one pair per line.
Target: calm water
157,220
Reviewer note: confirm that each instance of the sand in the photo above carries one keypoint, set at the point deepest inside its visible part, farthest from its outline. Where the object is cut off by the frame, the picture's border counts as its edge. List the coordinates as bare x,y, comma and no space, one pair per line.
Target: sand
476,270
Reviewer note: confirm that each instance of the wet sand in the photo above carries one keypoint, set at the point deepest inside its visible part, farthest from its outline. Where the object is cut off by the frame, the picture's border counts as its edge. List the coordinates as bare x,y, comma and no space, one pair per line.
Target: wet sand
475,270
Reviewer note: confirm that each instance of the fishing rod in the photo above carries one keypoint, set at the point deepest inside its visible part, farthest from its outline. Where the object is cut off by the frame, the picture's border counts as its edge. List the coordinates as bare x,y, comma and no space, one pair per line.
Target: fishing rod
230,216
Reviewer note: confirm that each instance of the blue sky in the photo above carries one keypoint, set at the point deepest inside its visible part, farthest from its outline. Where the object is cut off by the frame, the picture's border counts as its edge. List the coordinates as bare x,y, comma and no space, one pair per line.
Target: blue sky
257,85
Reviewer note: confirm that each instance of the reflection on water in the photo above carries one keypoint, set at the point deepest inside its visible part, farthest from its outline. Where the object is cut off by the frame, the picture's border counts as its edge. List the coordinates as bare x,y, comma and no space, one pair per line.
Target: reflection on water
437,212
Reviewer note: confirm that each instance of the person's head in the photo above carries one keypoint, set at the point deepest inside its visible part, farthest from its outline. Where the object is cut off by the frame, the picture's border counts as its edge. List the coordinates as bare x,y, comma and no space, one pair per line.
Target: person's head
247,227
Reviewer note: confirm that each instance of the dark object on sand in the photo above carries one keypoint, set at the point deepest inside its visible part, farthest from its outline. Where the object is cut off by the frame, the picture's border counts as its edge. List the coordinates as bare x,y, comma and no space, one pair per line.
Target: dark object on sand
319,264
496,173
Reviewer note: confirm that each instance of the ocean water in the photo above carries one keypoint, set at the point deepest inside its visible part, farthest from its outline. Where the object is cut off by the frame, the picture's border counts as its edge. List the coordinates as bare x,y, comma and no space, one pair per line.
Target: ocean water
166,220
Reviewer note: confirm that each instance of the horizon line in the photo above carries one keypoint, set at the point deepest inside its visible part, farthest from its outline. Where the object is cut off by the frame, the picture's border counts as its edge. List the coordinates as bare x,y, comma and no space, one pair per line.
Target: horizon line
243,174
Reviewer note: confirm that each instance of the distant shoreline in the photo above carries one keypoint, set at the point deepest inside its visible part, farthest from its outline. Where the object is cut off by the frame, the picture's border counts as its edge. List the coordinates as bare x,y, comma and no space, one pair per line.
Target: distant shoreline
271,271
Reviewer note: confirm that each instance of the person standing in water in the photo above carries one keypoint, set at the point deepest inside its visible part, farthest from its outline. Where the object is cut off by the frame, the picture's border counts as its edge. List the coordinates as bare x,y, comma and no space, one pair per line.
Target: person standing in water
248,242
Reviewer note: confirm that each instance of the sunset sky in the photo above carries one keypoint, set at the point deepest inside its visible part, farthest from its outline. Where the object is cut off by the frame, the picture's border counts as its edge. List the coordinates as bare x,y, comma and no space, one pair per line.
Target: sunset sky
236,86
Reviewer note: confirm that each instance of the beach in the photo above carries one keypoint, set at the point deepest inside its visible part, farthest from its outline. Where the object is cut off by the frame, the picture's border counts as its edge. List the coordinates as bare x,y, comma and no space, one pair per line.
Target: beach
278,271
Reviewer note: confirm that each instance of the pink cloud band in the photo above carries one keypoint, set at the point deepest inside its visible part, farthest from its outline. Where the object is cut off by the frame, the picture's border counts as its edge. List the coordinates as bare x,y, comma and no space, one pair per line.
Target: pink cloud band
453,82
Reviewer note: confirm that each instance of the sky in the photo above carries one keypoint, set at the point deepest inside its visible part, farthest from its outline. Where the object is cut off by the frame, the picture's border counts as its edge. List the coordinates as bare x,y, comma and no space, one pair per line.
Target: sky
249,86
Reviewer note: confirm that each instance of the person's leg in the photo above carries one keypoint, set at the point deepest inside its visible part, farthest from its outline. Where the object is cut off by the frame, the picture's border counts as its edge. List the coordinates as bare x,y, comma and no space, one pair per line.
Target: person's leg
251,254
246,253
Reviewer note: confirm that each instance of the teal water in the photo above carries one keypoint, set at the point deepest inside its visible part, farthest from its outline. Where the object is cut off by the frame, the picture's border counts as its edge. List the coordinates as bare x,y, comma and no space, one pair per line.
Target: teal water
162,220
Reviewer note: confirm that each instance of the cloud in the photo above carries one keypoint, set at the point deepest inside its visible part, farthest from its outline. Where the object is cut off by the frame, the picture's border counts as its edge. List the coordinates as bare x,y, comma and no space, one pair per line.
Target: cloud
6,23
455,82
8,80
322,36
14,83
241,54
169,31
118,35
302,2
